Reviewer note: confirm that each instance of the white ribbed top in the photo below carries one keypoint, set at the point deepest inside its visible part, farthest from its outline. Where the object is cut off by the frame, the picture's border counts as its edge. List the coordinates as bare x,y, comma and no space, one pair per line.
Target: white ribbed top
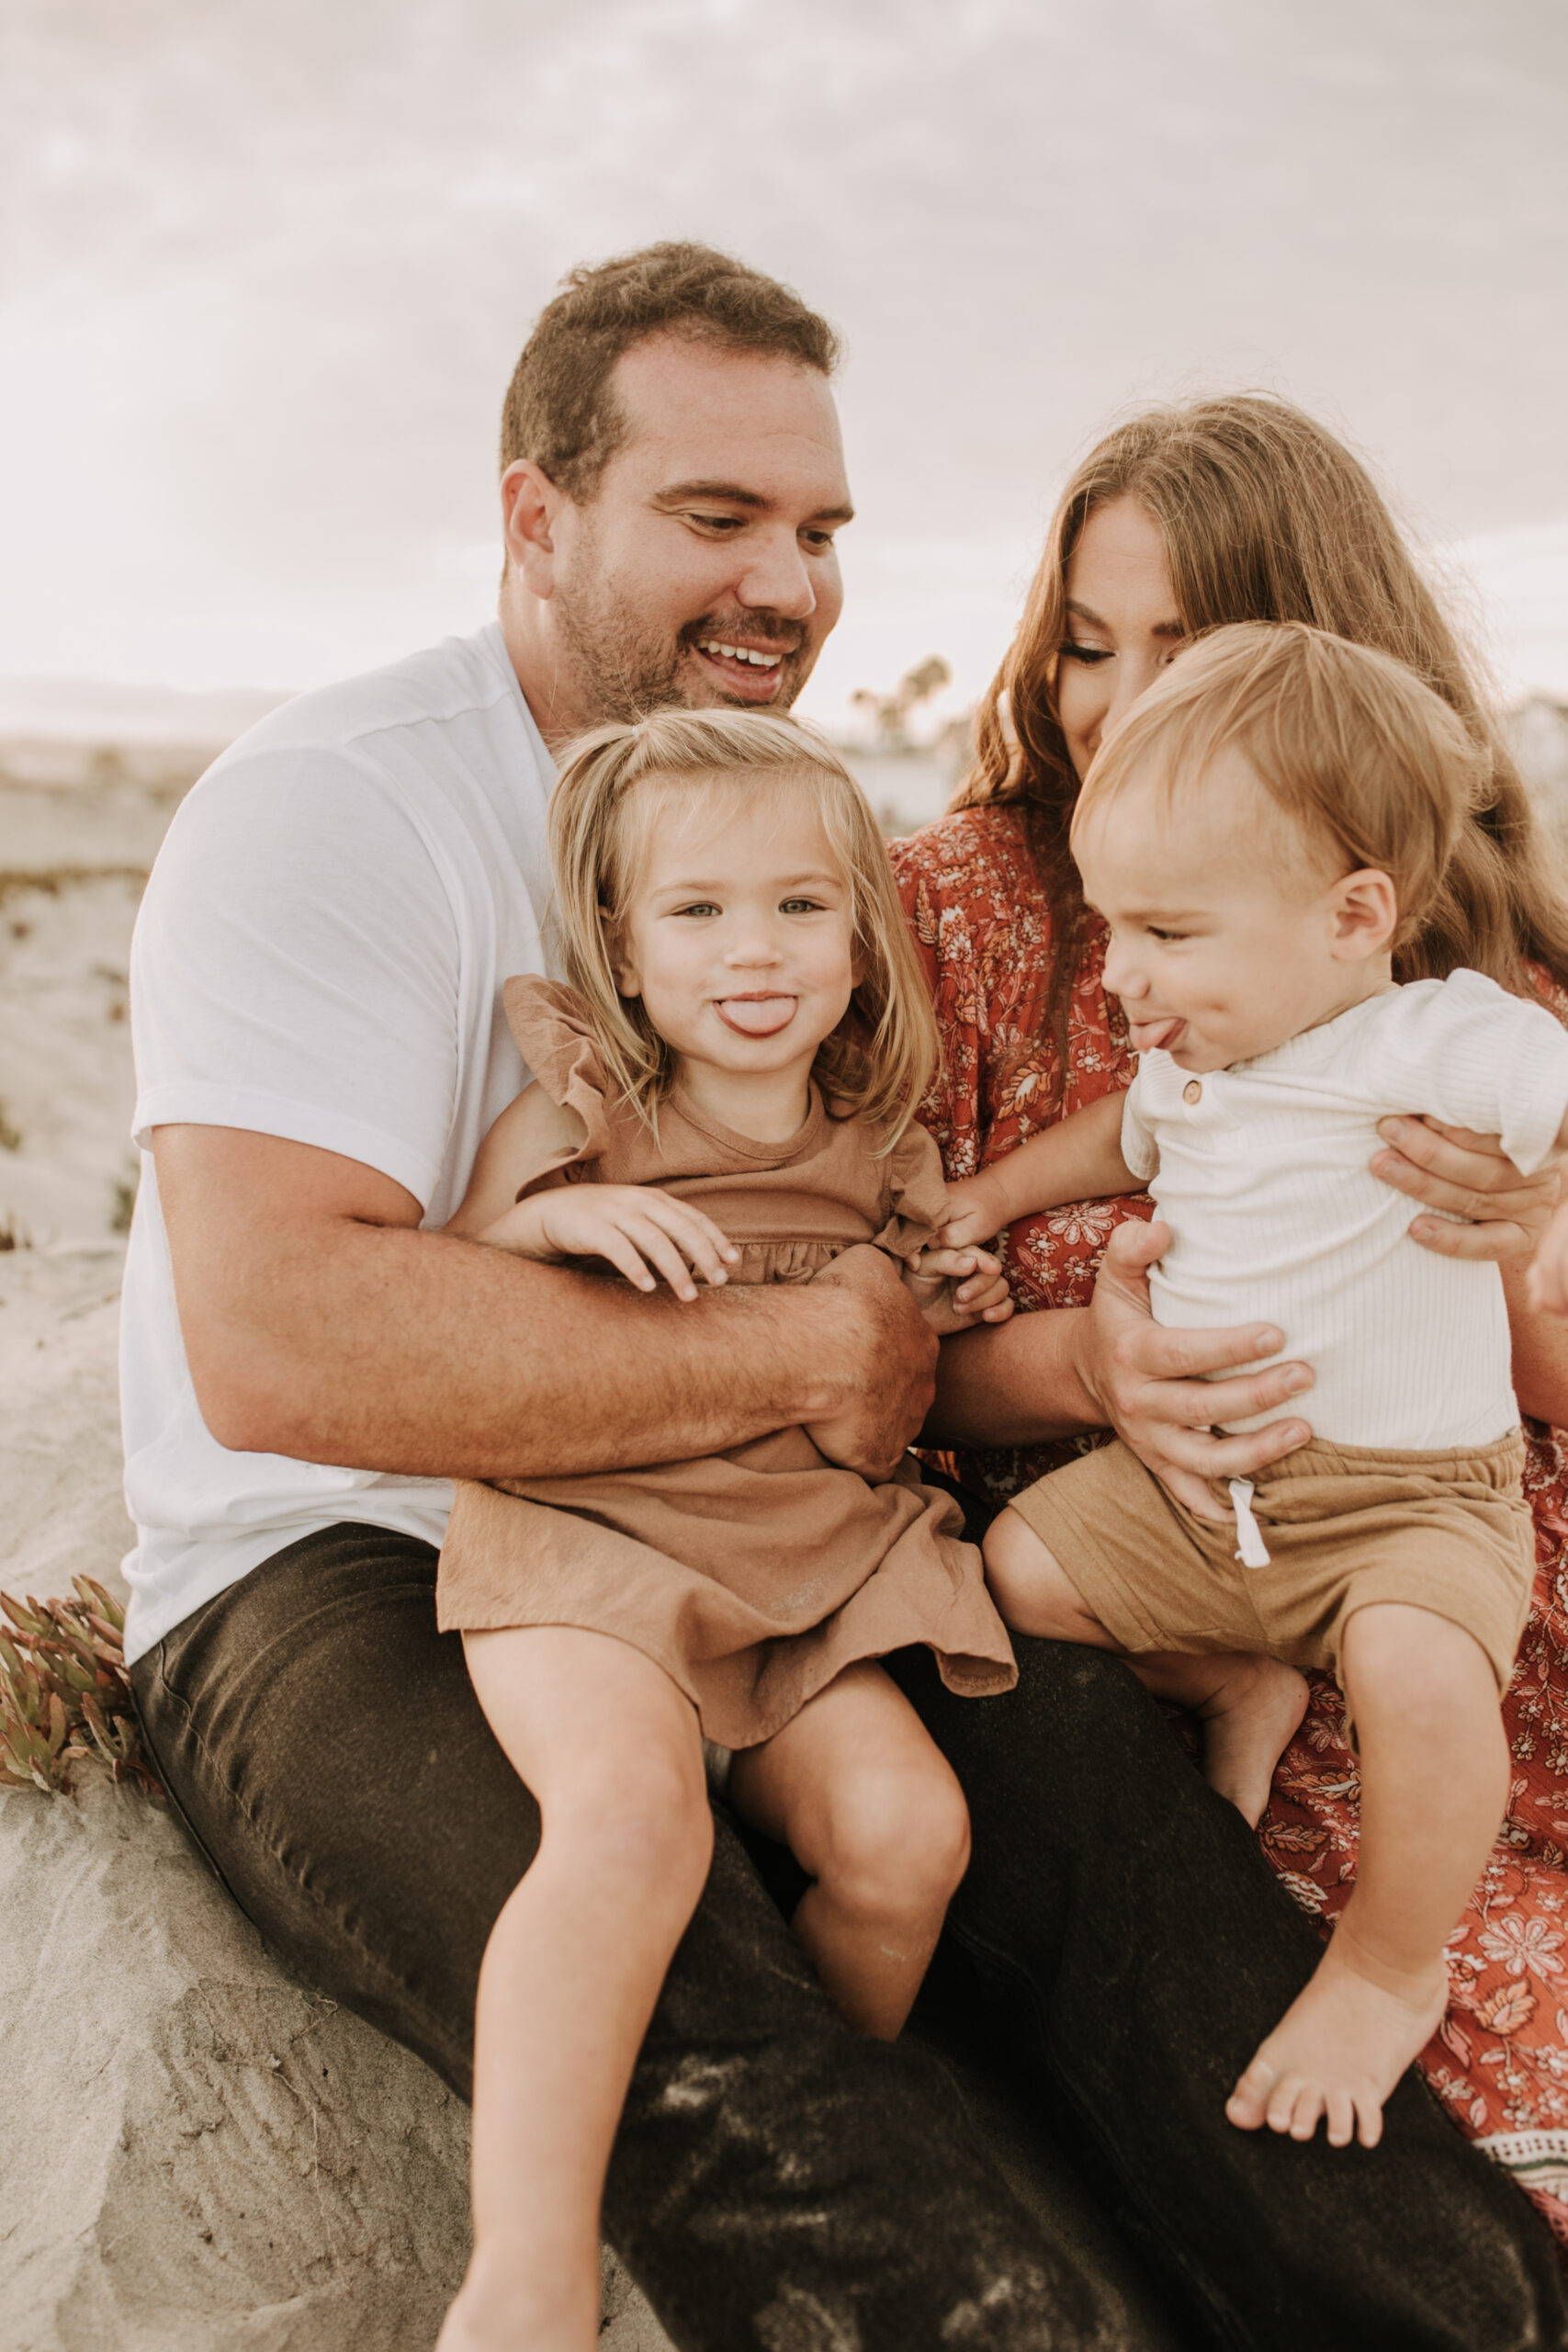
1262,1176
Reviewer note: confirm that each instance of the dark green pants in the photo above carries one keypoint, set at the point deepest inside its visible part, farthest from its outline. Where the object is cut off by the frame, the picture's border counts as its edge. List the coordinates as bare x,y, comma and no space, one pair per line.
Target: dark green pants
780,2183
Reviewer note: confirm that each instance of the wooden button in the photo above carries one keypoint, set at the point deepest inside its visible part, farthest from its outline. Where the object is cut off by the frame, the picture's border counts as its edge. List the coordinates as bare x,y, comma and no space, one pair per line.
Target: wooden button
1193,1092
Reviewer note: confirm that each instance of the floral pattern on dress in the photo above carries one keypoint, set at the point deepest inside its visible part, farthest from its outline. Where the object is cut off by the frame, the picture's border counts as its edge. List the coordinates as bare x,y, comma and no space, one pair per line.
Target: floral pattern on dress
1499,2061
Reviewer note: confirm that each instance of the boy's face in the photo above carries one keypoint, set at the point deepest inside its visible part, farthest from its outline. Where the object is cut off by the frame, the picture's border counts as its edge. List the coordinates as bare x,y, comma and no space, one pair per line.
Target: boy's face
1228,934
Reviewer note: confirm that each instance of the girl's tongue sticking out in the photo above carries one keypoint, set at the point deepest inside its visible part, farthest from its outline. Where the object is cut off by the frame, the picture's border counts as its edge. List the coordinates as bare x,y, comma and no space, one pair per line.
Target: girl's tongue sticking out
756,1016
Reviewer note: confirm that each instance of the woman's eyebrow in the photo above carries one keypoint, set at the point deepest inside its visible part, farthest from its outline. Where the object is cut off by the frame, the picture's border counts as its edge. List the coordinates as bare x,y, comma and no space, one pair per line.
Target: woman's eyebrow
1085,613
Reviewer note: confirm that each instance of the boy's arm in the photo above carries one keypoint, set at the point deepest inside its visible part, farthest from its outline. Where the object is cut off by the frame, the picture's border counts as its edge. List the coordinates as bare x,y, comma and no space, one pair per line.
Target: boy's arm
1080,1159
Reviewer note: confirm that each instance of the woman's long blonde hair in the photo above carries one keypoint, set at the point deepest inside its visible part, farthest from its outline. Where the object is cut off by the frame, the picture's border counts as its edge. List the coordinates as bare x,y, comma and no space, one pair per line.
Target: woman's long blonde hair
1265,517
880,1059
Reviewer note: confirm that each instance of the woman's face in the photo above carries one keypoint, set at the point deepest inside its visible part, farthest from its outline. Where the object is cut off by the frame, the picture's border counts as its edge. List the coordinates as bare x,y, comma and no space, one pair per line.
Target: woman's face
1123,623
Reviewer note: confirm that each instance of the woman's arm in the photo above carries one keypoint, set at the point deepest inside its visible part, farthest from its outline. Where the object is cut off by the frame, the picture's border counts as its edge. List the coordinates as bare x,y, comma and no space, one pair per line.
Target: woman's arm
1111,1366
1078,1160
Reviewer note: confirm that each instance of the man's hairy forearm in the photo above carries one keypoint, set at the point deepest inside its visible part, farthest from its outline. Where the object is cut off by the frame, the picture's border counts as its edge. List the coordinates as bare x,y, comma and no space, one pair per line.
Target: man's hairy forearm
386,1347
1019,1383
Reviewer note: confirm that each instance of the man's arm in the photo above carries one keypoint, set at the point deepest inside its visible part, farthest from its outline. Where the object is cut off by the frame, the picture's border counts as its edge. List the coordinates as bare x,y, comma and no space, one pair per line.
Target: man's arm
321,1322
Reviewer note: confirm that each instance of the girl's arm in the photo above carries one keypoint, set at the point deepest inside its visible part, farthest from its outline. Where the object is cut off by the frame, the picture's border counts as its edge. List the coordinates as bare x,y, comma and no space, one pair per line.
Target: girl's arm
1080,1159
639,1231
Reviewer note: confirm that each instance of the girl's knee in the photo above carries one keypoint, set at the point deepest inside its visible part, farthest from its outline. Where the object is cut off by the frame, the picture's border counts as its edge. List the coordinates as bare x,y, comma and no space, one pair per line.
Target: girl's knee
643,1821
898,1843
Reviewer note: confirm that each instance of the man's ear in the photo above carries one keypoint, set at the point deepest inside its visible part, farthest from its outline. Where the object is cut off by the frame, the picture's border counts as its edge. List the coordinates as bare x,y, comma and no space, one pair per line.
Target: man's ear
1365,915
530,504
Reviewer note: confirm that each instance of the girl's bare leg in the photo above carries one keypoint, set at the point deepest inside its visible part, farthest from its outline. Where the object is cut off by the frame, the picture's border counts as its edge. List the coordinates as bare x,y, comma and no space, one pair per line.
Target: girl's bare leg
1249,1705
1434,1786
573,1967
867,1804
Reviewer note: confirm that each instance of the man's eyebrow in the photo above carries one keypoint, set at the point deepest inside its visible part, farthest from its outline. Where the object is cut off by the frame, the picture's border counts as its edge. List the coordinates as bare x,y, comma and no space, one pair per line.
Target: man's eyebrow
730,493
1161,628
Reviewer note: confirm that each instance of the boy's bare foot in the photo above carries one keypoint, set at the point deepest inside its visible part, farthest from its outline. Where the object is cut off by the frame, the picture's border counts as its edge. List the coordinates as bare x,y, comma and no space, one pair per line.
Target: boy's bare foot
1338,2051
1248,1721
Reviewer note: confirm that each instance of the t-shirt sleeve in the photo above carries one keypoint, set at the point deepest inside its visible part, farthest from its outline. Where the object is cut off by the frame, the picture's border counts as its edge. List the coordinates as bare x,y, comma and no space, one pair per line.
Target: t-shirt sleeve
1139,1149
1464,1051
296,967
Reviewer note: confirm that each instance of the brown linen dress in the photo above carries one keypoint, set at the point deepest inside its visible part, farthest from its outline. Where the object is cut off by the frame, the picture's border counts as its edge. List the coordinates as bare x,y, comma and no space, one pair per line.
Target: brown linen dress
756,1576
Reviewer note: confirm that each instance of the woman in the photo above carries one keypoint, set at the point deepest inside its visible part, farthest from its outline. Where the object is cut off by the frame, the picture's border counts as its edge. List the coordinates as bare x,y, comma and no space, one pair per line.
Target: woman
1228,510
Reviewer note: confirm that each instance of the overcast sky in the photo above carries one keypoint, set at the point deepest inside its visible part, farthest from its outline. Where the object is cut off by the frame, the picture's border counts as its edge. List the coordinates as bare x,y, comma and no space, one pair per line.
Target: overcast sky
265,264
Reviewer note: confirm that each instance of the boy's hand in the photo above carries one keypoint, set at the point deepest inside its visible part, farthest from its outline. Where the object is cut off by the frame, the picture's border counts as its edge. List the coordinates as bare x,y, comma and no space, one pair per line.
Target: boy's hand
975,1212
1546,1285
643,1233
958,1288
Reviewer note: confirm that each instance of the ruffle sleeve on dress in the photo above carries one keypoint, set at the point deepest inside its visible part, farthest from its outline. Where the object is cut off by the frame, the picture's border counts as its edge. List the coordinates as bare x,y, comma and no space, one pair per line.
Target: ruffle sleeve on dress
918,1195
549,1023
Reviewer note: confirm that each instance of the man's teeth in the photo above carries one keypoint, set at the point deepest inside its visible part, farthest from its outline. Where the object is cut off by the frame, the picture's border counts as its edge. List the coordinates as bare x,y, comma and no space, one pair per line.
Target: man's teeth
740,653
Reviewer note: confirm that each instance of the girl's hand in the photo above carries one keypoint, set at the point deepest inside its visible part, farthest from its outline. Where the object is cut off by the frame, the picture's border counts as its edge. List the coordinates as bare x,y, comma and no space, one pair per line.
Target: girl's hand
642,1232
1504,1213
1546,1285
1146,1379
956,1289
975,1212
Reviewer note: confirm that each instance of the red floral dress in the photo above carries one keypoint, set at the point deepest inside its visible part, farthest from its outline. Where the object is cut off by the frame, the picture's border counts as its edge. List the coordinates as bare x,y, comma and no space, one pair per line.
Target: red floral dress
1500,2060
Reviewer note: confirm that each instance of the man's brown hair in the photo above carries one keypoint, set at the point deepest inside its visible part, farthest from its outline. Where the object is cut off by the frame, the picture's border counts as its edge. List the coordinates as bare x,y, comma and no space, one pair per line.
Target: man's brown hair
561,411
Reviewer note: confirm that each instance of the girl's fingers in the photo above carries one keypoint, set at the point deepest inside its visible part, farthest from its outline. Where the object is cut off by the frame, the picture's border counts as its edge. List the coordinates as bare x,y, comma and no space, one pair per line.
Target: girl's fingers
663,1255
615,1247
700,1241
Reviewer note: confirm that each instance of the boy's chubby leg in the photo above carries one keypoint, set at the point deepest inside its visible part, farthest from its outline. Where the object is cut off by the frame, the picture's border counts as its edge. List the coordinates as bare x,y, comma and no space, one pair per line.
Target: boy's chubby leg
1249,1705
573,1967
1434,1787
858,1792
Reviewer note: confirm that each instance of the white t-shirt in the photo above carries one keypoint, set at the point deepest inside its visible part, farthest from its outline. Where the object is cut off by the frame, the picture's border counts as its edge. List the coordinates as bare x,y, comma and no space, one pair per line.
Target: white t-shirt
1275,1218
320,956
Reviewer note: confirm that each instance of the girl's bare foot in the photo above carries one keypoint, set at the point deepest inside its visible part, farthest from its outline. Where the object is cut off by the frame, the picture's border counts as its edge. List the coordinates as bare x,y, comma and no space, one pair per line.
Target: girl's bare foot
1248,1721
1338,2051
500,2309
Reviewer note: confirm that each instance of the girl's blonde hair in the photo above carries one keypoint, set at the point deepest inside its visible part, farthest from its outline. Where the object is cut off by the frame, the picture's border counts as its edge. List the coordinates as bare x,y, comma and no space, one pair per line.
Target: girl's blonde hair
880,1059
1265,517
1373,768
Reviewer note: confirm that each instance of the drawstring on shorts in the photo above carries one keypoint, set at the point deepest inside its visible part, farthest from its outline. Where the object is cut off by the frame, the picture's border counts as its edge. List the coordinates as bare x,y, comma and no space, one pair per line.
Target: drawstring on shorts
1252,1551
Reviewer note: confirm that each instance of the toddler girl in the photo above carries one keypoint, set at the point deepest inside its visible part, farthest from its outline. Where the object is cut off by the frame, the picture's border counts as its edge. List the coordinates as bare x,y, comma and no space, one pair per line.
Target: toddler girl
1259,834
721,1095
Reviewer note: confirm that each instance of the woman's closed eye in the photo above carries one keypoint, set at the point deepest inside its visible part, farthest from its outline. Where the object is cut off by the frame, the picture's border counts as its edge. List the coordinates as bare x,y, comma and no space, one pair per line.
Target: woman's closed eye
1070,650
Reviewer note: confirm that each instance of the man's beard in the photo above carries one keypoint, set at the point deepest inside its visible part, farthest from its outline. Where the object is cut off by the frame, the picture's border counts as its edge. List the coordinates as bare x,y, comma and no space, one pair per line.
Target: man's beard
626,668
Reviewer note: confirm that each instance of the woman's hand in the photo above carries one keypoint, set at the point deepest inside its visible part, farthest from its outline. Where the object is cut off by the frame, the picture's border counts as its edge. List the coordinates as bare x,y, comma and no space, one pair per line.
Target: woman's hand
641,1231
1505,1215
1148,1380
956,1289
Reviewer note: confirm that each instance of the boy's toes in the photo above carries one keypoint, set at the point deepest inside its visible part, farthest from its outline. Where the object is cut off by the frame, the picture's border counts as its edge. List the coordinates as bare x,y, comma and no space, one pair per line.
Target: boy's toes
1282,2102
1369,2115
1247,2106
1341,2110
1305,2110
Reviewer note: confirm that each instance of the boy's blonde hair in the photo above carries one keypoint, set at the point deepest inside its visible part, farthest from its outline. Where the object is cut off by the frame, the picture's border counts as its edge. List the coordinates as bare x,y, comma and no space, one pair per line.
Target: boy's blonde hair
879,1061
1373,767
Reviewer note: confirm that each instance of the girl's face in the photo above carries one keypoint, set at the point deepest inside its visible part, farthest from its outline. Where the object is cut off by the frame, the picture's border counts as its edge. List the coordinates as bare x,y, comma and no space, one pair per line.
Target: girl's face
739,936
1123,623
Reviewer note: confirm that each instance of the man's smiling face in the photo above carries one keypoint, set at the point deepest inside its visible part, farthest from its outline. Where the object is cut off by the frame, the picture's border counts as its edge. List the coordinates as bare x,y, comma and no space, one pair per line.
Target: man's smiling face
701,570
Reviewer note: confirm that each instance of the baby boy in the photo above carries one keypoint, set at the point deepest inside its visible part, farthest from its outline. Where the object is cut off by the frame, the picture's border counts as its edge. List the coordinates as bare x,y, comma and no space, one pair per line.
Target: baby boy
1261,833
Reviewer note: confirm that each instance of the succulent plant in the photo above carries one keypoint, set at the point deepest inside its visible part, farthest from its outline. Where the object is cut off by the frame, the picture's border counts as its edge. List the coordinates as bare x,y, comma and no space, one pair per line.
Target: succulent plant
64,1699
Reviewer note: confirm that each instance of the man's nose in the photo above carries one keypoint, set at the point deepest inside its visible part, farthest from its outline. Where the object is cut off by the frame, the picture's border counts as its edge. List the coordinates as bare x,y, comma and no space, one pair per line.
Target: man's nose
776,579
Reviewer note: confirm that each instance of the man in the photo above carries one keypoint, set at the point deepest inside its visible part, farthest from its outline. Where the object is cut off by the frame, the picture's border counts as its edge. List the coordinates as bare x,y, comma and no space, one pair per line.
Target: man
316,981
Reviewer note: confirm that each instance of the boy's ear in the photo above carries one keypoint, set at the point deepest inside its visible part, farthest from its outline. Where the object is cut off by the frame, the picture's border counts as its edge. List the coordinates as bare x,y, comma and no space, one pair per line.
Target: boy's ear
1365,915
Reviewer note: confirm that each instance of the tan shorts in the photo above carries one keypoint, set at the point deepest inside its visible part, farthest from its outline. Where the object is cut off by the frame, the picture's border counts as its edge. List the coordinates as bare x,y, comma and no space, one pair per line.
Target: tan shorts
1344,1526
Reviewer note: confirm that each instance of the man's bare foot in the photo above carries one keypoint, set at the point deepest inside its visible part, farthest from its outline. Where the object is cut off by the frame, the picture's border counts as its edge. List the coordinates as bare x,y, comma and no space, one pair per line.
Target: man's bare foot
502,2309
1248,1721
1338,2051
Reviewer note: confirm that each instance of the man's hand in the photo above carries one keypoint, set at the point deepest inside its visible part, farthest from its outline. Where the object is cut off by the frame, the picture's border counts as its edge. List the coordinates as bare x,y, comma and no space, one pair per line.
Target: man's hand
641,1231
956,1289
1466,1176
1147,1379
882,1365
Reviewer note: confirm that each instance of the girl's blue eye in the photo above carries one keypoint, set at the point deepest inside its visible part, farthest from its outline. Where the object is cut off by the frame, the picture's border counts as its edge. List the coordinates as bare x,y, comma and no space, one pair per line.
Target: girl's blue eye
800,906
